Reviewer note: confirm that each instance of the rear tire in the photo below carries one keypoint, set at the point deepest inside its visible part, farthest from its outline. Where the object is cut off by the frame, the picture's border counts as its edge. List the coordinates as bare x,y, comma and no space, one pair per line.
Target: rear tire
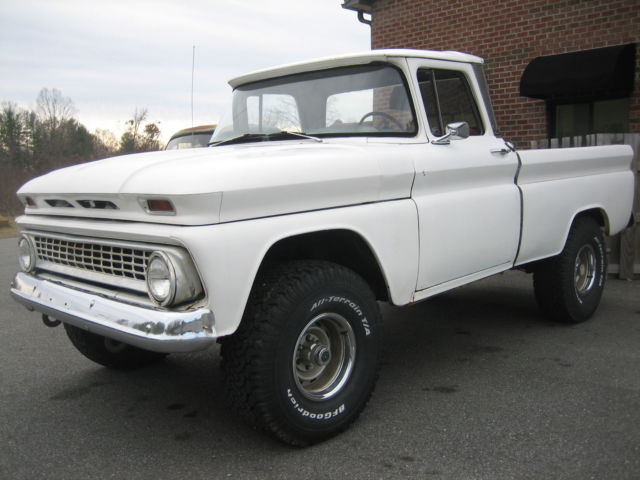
304,362
568,287
110,353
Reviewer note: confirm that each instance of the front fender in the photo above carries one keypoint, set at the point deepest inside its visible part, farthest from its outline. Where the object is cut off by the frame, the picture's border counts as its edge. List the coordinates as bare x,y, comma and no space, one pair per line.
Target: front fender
228,256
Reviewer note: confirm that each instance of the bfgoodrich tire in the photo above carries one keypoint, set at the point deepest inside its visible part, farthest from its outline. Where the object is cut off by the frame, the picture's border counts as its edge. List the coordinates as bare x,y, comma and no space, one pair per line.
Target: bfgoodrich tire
305,359
110,353
568,287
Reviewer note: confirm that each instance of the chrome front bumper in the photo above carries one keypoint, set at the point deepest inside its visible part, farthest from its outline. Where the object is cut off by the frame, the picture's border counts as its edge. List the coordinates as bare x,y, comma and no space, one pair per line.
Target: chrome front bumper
151,329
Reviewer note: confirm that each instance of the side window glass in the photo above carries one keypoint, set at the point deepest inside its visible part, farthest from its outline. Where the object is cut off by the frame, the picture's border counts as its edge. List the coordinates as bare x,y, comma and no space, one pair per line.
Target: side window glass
447,98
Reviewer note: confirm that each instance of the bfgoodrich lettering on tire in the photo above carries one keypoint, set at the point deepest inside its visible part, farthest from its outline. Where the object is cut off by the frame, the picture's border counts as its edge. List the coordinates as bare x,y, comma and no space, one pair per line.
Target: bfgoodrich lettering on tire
568,287
304,362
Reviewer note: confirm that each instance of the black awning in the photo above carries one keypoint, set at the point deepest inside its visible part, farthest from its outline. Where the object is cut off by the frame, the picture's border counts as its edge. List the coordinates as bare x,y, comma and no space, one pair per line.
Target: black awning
585,75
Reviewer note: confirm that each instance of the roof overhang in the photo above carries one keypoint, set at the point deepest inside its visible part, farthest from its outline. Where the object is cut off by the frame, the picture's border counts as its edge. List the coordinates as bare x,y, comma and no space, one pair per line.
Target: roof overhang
349,60
358,5
585,75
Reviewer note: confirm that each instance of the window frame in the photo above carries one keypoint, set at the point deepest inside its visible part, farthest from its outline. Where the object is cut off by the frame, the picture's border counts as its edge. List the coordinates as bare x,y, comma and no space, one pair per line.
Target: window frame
475,107
552,114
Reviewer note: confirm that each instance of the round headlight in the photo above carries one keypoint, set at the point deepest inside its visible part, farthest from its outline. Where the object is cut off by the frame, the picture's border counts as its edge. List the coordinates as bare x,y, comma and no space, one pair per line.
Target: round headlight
161,278
26,255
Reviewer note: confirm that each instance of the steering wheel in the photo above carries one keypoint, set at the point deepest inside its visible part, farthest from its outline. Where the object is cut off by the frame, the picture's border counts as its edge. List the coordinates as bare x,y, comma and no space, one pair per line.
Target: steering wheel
382,114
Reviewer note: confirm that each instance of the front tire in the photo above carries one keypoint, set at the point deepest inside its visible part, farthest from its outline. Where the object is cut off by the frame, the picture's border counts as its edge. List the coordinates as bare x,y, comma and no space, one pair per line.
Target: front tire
304,362
568,287
110,353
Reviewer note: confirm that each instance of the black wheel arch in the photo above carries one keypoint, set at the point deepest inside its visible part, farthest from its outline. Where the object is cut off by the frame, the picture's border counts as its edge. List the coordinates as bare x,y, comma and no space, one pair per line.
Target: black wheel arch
598,214
341,246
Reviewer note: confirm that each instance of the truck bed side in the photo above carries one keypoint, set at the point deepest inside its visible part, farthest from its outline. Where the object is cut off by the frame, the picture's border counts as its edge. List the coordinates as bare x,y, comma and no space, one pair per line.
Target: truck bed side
558,184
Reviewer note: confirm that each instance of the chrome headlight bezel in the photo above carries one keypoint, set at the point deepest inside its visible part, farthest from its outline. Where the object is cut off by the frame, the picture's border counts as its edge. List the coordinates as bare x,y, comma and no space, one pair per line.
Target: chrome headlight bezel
26,251
169,275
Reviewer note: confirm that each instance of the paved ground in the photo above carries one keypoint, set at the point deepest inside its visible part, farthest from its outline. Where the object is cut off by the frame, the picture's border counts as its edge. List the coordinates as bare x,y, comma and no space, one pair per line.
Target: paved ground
475,385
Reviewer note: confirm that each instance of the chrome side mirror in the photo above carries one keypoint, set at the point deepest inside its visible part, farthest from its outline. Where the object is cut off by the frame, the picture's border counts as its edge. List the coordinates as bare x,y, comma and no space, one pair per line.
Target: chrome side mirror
455,131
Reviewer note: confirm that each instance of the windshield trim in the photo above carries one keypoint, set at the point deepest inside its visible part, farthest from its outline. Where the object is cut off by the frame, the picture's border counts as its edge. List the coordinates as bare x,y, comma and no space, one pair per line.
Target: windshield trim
321,73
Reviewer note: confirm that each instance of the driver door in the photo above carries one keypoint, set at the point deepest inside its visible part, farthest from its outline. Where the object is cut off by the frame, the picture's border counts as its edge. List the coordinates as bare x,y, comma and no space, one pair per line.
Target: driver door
465,192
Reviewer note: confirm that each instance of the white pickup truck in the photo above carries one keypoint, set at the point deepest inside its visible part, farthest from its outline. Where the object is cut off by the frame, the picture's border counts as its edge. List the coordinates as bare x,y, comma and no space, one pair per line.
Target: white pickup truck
330,185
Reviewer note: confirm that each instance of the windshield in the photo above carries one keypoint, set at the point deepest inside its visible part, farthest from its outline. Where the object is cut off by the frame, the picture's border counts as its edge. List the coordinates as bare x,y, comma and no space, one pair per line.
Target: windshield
363,100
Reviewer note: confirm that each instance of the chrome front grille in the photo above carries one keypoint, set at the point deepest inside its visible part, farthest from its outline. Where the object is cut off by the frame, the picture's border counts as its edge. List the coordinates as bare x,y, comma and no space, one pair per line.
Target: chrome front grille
113,268
109,262
108,259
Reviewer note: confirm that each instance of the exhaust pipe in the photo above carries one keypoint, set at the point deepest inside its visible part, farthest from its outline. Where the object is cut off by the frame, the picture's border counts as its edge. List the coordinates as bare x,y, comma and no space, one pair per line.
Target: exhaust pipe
50,322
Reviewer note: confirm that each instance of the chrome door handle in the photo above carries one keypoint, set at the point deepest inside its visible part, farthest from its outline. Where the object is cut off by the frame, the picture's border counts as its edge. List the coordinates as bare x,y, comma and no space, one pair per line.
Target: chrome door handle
501,151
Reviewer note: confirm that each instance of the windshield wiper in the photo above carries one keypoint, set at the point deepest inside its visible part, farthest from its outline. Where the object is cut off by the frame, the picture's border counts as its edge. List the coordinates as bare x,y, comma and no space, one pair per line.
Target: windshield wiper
298,134
239,139
263,137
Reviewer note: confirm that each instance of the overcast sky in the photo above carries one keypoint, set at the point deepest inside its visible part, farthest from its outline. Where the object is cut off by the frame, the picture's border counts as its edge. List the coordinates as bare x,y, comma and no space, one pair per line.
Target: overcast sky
112,56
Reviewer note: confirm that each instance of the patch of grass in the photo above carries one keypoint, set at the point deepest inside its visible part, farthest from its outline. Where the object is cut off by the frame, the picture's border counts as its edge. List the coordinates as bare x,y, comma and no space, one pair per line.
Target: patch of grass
7,227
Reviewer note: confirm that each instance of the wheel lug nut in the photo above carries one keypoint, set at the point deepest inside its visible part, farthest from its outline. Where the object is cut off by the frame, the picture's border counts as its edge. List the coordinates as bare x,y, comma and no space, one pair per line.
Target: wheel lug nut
320,355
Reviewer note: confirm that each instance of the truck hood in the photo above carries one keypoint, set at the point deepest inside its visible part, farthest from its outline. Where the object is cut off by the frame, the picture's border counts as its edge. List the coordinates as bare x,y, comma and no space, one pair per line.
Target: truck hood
218,184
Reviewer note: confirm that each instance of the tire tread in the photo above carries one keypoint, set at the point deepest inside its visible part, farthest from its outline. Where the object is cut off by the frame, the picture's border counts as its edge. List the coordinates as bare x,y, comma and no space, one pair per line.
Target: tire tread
92,346
553,278
245,370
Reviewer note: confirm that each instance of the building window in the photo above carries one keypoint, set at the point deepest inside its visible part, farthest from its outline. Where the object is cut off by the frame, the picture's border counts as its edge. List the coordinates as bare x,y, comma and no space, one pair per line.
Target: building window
601,116
587,91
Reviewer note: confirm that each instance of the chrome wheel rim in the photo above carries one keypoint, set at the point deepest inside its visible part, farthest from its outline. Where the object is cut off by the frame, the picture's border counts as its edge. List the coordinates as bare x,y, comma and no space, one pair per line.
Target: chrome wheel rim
585,270
324,356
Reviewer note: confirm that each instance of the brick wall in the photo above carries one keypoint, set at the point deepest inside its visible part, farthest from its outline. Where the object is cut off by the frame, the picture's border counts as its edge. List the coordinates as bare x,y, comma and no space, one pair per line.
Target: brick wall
508,34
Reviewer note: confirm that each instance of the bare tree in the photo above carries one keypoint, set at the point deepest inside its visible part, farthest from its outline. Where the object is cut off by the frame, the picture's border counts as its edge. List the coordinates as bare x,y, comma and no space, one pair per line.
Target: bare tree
136,122
54,108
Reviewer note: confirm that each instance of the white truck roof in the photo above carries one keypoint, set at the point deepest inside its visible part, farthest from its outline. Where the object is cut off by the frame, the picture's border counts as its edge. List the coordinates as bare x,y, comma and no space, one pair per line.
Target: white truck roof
350,59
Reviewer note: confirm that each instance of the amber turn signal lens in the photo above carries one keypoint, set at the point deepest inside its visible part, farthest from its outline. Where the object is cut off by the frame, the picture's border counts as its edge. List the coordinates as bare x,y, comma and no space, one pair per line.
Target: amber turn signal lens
160,205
